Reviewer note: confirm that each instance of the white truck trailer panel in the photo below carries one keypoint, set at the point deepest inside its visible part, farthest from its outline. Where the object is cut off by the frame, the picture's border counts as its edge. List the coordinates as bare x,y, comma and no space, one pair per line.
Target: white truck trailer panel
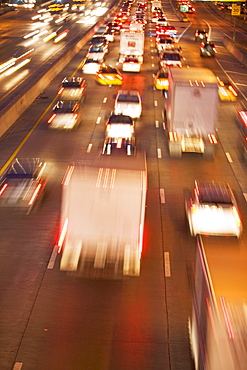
131,43
192,100
104,205
192,111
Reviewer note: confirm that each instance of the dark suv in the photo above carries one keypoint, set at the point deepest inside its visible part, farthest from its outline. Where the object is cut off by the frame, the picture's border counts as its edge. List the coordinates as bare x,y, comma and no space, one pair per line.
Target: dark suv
201,35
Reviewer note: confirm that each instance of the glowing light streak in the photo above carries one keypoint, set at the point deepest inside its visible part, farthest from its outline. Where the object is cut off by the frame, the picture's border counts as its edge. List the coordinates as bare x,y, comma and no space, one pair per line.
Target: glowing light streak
20,65
49,37
62,235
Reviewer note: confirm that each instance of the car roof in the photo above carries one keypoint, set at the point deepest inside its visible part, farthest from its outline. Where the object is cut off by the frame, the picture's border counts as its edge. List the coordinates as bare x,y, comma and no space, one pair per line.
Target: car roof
214,192
130,97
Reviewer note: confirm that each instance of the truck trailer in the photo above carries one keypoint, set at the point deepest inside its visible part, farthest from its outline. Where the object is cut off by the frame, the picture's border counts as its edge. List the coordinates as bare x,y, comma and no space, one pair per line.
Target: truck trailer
191,111
102,216
131,43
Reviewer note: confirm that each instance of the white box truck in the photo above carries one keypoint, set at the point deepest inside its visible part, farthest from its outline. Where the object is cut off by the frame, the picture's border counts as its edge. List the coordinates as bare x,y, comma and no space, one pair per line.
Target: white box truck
131,43
155,5
102,215
191,111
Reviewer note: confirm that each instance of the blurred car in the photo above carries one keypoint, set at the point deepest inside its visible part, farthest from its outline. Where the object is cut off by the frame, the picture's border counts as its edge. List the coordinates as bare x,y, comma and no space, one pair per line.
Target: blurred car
131,64
165,43
161,80
96,52
211,209
226,91
128,103
207,49
241,118
166,30
23,183
65,115
100,40
108,75
72,88
109,35
114,26
90,66
119,135
191,9
170,58
201,35
162,21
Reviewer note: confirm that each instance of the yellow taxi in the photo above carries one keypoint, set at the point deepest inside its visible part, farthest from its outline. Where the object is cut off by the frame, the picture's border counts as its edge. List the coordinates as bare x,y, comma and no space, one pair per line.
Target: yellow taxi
161,80
226,91
108,75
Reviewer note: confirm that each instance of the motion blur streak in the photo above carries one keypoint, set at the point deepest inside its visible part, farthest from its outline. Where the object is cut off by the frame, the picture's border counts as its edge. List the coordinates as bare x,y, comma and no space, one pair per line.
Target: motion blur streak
62,235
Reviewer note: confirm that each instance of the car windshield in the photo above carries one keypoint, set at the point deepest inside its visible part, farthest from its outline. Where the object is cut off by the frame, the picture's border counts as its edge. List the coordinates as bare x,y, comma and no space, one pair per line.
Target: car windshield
214,195
73,84
175,57
96,49
108,70
128,98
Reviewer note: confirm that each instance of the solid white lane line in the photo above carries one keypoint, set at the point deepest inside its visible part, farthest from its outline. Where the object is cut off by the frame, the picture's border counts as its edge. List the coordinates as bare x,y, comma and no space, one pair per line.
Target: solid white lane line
53,258
162,196
155,103
229,157
245,196
159,153
164,125
18,366
157,124
167,264
89,147
98,120
105,100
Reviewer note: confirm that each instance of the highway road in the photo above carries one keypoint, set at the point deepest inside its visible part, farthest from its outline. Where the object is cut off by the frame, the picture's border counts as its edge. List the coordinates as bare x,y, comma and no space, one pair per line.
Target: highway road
51,320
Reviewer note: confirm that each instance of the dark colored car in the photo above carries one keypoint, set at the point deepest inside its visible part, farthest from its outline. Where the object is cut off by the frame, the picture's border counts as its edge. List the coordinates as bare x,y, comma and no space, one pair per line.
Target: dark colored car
207,49
23,183
201,35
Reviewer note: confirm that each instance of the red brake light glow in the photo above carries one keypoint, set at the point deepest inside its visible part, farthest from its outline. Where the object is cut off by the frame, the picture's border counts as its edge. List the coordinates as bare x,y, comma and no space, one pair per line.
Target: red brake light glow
60,90
51,118
3,188
35,194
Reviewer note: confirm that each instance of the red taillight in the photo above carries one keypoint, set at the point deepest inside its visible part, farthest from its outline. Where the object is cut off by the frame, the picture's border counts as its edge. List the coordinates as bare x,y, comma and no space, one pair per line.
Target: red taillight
62,235
212,139
51,118
3,188
60,90
173,136
243,117
35,194
232,90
